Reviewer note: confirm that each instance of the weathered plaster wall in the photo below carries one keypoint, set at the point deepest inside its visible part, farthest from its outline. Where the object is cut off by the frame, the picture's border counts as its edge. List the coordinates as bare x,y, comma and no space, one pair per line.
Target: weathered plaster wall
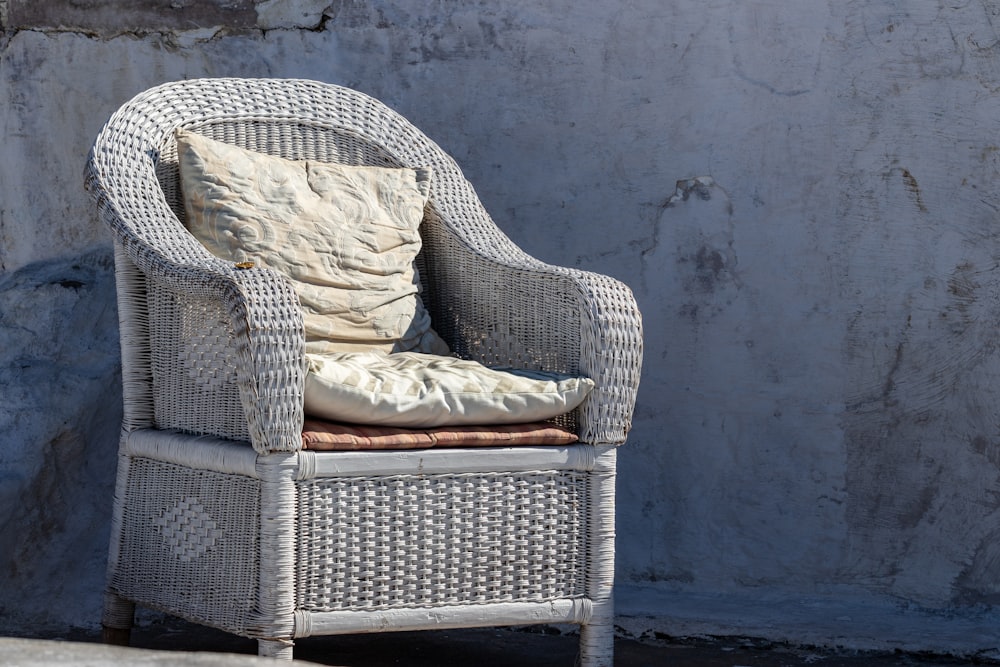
802,195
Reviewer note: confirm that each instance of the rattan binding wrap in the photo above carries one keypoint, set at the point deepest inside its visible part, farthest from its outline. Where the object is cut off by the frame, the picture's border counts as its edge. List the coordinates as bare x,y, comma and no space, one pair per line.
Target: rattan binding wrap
280,543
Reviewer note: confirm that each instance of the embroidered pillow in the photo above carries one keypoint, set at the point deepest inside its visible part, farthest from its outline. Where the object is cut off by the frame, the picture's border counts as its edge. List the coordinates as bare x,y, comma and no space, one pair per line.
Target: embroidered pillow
346,236
414,390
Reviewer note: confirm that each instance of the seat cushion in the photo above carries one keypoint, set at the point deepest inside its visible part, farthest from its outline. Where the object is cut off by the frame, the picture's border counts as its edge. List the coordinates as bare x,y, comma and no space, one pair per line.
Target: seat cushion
414,390
318,435
346,236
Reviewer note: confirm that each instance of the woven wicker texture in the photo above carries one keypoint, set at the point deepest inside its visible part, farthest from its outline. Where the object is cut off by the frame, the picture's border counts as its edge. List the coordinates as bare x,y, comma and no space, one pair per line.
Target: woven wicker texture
417,541
294,543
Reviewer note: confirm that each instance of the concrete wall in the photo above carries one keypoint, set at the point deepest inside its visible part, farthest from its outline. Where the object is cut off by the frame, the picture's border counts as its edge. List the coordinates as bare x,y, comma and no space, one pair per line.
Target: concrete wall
802,195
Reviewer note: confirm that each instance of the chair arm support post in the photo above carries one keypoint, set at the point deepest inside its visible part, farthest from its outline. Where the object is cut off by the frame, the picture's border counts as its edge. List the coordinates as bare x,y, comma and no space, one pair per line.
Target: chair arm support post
272,370
597,635
611,350
276,594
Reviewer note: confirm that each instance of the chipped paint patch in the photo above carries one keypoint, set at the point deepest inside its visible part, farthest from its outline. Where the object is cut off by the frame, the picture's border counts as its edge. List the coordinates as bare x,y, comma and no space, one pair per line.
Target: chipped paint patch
696,228
272,14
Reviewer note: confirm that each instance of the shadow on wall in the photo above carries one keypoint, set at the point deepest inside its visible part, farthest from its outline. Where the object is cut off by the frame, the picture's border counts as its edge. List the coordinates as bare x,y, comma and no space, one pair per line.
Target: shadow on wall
60,416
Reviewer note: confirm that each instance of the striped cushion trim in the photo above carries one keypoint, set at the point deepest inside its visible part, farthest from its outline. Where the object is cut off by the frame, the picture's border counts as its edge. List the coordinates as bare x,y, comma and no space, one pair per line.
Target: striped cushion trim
326,436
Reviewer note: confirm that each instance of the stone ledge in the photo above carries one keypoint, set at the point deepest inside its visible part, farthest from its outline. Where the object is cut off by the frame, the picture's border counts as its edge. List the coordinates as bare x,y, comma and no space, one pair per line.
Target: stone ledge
110,17
104,16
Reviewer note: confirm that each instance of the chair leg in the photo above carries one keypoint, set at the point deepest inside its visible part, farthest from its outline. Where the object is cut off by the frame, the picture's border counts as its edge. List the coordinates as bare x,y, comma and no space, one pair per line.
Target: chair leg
597,645
280,649
116,624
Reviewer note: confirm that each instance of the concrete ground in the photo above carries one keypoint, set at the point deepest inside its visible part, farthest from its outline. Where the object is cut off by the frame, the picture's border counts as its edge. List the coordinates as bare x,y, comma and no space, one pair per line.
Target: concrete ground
173,642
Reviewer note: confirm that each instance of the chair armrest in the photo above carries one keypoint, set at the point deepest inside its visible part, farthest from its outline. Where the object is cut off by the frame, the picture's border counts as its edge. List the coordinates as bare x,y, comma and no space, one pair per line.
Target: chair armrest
502,307
266,340
265,344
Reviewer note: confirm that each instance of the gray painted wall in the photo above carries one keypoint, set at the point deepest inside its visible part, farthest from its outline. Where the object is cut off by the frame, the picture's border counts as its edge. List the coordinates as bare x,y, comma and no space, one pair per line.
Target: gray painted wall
802,195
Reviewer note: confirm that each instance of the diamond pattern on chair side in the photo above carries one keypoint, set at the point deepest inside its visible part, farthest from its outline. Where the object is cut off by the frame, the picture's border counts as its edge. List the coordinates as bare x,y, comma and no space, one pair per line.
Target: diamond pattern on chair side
187,528
186,550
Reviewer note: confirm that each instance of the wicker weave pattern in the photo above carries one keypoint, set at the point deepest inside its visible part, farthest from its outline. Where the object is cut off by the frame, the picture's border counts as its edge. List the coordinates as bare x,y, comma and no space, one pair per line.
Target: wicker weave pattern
193,366
408,541
194,545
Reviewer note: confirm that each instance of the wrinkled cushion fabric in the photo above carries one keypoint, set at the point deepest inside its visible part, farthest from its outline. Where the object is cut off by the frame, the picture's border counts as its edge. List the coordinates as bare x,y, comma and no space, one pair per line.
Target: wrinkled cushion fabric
415,390
319,435
346,236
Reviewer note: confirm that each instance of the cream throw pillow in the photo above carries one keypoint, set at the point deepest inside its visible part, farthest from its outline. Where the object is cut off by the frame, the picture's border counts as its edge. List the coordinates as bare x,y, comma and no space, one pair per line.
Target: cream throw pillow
414,390
346,236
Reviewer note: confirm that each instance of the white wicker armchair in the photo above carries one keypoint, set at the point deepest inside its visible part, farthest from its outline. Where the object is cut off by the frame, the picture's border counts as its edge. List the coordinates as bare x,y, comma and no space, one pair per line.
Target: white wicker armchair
221,517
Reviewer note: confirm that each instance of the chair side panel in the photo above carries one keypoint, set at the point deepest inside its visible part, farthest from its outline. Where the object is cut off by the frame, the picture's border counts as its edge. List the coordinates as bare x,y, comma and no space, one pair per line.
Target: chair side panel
193,363
189,543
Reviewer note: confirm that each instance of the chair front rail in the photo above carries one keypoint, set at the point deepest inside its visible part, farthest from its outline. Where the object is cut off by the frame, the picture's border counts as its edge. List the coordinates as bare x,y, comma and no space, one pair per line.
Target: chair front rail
575,611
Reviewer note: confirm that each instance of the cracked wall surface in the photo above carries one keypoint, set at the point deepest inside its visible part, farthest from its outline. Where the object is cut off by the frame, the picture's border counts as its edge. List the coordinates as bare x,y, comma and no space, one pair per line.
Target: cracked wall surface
802,196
